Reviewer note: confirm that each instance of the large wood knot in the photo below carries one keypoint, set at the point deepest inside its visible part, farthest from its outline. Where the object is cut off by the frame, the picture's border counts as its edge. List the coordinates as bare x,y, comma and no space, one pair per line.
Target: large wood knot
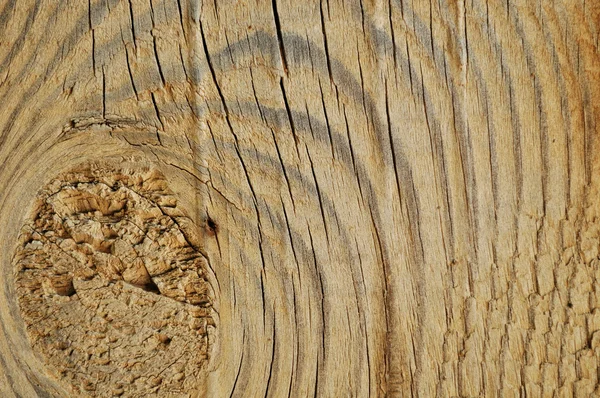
114,296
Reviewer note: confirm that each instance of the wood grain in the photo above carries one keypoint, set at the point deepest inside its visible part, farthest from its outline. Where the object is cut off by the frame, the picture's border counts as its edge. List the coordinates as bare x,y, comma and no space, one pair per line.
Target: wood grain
396,198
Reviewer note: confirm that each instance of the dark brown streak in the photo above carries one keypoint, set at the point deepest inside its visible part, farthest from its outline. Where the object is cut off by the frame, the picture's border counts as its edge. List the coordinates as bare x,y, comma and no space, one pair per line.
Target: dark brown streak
285,175
240,365
155,47
289,114
157,111
132,23
320,199
273,345
279,36
326,46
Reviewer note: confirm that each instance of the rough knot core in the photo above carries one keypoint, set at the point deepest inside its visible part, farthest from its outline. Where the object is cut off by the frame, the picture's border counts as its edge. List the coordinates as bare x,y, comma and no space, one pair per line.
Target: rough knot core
115,298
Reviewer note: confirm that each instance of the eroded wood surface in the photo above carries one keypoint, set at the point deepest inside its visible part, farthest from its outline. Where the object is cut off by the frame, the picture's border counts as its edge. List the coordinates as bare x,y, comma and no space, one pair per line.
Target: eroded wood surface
391,198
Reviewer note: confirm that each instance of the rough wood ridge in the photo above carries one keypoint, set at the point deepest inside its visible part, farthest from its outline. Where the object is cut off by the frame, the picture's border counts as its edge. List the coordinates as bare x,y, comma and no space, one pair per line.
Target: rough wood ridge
299,198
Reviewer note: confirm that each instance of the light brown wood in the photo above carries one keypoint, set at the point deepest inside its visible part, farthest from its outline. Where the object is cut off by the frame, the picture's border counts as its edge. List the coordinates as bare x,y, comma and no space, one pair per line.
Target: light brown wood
299,198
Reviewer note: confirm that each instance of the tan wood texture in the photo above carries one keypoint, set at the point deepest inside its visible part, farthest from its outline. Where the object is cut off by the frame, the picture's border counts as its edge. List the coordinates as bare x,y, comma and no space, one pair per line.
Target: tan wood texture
344,198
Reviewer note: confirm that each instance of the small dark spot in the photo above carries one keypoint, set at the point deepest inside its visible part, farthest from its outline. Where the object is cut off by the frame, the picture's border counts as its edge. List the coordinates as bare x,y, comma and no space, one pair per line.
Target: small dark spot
64,287
62,345
212,226
164,339
151,287
570,305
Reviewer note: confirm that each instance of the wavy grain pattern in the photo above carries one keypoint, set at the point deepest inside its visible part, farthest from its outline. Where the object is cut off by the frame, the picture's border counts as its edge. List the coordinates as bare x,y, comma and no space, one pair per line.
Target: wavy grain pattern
395,198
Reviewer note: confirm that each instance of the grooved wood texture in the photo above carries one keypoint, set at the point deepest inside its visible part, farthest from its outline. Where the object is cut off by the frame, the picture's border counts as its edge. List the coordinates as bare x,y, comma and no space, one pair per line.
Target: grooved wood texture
396,198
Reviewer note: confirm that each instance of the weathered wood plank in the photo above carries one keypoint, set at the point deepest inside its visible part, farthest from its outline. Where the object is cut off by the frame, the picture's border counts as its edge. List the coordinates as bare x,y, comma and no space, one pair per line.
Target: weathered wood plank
386,198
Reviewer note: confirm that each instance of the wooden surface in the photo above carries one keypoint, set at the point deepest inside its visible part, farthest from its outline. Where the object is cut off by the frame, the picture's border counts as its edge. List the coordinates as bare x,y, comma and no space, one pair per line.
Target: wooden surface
388,198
